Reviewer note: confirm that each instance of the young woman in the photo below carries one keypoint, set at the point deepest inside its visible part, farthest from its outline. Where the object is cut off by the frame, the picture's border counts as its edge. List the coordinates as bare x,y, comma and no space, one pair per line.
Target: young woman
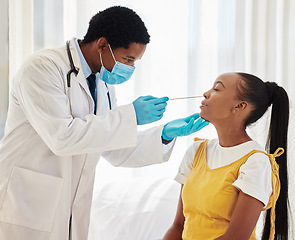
228,181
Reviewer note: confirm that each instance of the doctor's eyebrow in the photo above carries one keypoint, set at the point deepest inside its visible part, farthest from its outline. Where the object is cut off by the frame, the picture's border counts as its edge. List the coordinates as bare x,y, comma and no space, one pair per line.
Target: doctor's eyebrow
220,83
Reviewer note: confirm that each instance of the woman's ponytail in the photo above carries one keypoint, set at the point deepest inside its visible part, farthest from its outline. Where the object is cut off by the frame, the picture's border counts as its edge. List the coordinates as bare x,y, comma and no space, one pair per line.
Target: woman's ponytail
277,137
262,95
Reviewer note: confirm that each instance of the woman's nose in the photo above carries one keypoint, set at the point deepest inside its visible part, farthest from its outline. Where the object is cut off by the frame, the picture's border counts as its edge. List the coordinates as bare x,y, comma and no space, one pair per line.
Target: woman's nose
206,94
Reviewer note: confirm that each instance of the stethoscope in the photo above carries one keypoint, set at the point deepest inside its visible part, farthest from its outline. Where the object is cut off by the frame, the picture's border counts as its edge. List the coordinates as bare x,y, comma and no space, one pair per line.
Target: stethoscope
75,70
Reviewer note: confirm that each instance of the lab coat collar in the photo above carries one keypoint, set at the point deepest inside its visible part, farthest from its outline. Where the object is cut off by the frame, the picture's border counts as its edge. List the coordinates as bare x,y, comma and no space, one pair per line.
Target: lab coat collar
85,67
80,78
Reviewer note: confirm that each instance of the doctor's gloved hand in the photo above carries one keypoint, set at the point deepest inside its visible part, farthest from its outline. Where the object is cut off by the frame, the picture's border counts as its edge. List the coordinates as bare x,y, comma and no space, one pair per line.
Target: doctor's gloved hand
149,109
183,126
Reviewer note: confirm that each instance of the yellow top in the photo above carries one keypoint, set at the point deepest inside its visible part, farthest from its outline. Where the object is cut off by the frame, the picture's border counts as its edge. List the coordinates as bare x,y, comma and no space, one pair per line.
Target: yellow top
209,197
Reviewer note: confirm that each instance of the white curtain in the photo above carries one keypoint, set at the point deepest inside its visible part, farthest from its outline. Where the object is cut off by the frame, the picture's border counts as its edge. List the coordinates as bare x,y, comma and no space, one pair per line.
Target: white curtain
4,48
192,42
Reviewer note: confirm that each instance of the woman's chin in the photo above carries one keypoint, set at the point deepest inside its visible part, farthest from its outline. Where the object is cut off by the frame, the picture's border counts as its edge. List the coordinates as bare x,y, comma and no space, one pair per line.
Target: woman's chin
204,117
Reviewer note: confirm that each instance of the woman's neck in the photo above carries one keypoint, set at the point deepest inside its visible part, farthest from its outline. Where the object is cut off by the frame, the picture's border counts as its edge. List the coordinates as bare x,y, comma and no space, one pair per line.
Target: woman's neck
232,136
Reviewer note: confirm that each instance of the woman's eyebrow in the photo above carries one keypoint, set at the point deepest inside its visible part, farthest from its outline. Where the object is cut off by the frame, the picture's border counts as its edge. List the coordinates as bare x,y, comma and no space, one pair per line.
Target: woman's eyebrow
220,83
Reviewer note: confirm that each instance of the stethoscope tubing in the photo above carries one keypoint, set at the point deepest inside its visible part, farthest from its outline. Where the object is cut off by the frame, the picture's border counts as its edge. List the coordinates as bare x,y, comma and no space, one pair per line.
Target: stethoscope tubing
72,66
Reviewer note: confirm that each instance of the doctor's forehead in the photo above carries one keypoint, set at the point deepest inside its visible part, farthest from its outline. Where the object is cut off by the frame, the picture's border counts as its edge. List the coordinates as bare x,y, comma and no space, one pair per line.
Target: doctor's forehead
135,50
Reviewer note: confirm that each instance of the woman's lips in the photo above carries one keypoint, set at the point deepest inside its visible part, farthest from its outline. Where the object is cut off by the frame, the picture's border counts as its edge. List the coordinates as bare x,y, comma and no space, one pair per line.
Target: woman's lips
203,104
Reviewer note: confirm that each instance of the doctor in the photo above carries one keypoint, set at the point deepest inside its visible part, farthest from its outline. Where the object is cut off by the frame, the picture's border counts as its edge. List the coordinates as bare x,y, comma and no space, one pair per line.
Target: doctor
59,125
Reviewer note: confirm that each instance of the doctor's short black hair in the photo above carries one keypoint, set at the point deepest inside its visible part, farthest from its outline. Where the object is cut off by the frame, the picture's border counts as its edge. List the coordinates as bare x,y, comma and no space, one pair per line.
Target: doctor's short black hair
119,25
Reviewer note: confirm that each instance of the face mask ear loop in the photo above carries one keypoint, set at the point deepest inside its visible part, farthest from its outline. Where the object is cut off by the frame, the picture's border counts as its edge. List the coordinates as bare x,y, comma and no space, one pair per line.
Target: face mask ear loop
112,53
101,60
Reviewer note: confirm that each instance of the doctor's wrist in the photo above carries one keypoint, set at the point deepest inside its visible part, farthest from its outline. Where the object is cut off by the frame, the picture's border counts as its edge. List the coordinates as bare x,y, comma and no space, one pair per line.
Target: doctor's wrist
164,141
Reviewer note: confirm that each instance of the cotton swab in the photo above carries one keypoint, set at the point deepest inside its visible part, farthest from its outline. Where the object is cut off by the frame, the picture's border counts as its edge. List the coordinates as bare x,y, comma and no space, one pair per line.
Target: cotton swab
185,97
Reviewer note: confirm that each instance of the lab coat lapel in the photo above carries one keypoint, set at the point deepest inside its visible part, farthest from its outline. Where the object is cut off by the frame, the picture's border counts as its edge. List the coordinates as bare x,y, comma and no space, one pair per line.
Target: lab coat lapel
102,99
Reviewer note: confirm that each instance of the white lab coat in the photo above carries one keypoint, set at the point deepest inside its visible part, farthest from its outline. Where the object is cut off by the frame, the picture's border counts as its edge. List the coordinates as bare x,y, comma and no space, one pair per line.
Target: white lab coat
48,157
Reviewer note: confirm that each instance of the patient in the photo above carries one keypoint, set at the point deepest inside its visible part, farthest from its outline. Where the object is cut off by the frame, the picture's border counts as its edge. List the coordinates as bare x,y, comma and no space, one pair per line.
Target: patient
228,181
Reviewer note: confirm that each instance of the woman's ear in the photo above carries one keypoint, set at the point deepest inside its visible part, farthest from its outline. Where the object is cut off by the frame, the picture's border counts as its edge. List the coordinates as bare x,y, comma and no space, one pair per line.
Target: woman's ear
240,106
101,44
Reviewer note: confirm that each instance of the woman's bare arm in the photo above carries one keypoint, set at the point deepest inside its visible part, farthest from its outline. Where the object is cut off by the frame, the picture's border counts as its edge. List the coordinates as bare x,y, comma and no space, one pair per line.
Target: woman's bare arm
244,218
175,231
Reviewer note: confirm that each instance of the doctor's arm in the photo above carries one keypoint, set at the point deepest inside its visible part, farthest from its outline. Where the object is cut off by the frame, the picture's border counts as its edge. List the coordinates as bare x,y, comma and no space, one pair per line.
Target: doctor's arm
42,97
155,145
149,150
175,231
244,218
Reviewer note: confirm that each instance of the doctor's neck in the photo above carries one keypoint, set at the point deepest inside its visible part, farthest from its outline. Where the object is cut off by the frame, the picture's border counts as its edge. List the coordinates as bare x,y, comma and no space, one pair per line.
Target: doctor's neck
90,54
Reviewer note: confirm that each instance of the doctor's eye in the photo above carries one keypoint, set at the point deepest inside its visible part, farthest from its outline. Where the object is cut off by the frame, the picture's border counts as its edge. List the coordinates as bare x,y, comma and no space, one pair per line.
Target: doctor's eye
128,60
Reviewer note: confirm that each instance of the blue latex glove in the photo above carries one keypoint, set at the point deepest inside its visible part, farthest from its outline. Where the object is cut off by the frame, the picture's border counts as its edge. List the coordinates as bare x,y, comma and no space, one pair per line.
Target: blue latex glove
183,126
149,109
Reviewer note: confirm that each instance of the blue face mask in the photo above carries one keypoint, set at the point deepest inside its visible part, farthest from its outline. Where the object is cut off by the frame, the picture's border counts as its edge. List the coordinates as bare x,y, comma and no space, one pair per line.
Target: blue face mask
120,72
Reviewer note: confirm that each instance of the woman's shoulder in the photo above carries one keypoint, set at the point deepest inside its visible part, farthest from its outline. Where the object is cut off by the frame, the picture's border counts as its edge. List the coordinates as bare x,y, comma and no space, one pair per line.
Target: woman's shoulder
258,158
259,154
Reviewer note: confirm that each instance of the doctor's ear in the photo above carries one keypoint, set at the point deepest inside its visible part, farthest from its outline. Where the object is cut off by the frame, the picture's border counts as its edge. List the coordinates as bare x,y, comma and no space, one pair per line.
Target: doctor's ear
101,44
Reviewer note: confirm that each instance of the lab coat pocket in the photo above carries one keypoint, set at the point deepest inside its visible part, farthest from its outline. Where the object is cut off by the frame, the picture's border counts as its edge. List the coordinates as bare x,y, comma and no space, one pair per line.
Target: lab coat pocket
31,199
